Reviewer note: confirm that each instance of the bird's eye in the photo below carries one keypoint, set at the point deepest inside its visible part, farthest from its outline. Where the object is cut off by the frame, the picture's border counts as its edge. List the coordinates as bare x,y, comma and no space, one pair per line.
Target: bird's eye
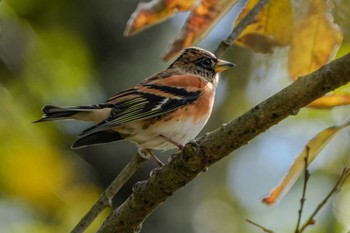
206,62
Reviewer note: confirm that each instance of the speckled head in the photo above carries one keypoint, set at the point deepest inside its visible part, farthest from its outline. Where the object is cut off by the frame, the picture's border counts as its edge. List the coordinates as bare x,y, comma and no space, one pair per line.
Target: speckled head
200,62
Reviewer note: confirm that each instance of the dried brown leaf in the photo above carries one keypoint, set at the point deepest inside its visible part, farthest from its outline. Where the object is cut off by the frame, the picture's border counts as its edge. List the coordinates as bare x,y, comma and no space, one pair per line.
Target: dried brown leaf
154,12
202,18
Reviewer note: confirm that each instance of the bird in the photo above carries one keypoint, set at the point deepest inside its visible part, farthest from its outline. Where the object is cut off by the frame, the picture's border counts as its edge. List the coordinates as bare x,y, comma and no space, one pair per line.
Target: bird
163,112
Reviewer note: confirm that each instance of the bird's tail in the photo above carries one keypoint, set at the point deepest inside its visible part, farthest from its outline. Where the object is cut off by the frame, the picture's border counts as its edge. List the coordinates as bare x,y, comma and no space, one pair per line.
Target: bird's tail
52,113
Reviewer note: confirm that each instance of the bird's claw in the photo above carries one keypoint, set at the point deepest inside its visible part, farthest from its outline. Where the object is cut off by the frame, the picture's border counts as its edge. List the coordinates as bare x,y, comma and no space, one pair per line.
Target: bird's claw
172,157
155,171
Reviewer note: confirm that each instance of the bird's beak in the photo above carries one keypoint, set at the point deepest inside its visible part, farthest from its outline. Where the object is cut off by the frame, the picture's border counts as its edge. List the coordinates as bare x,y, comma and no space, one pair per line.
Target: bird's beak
222,65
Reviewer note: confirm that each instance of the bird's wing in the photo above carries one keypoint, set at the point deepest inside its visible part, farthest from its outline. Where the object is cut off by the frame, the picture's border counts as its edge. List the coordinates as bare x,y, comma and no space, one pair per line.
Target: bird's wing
151,98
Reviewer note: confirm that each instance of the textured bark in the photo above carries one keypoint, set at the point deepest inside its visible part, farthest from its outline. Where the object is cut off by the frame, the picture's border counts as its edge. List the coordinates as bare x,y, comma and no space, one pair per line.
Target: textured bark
212,147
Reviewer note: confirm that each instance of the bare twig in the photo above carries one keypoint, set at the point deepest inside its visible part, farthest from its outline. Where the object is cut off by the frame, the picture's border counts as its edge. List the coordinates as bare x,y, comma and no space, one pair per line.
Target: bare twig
306,179
259,226
105,199
311,220
238,29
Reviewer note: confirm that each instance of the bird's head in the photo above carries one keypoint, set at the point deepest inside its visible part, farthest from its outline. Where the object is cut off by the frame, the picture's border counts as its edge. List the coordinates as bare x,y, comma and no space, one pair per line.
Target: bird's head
200,62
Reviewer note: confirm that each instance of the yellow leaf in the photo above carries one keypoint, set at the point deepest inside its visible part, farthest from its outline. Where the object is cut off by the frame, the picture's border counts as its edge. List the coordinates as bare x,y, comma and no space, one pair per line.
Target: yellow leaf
312,149
154,12
331,100
272,27
202,18
315,40
343,49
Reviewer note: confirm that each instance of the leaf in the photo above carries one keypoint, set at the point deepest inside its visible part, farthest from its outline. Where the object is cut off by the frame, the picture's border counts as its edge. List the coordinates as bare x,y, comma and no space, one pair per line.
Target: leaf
202,18
154,12
338,97
312,149
315,40
272,27
331,100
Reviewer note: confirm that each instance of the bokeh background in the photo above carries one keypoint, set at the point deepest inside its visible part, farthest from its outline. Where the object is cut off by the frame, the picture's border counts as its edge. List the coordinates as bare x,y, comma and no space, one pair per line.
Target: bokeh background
66,52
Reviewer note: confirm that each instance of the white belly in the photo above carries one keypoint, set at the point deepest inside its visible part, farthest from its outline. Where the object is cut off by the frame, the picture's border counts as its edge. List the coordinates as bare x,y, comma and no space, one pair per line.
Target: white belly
180,131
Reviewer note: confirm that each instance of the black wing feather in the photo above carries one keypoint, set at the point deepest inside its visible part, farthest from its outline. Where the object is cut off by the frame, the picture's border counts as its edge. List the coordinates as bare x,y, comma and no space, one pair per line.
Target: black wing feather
145,105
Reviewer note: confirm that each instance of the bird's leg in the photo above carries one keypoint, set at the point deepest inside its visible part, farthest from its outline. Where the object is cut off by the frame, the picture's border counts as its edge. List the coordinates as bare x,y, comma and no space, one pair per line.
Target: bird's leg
154,157
146,153
179,145
160,163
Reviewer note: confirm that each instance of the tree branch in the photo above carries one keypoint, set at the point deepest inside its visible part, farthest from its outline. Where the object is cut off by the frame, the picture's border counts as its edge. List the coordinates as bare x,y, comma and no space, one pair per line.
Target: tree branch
210,148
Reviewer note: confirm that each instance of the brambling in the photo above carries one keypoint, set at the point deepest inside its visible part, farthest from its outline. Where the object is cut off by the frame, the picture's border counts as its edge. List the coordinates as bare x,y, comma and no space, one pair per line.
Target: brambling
163,112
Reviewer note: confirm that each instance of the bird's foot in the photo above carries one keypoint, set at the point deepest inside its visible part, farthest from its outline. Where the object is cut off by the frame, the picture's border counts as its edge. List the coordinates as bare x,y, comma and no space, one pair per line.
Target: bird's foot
155,171
172,157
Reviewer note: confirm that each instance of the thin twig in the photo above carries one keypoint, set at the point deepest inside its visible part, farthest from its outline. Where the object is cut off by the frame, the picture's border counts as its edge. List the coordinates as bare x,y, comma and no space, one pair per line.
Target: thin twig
306,179
238,29
259,226
105,199
344,176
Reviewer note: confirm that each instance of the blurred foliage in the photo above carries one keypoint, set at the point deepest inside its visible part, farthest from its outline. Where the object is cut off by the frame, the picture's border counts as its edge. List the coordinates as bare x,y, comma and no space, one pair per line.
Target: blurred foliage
39,64
73,52
204,15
